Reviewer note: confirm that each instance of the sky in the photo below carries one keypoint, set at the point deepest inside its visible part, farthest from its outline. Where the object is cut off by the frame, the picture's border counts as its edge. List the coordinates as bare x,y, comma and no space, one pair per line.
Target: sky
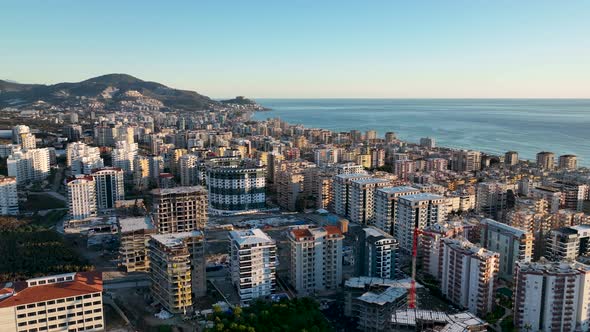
307,49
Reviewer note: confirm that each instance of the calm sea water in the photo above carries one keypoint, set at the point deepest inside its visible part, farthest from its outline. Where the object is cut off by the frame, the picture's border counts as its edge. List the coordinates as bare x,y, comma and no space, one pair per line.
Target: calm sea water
490,125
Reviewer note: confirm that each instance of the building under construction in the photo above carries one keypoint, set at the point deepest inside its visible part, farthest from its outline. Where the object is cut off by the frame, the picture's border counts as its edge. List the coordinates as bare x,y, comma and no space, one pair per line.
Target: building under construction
177,270
134,236
180,209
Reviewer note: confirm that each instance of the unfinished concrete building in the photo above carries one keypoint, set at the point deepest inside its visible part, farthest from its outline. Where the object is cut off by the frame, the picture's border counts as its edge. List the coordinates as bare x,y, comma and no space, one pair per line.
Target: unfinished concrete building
134,236
180,209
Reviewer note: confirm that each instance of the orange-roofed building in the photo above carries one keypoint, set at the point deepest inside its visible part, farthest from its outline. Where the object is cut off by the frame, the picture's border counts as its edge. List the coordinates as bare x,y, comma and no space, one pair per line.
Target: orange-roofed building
316,259
64,302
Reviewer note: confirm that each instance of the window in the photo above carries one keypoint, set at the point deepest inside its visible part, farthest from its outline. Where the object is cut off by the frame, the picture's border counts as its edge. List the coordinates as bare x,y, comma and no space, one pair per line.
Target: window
61,301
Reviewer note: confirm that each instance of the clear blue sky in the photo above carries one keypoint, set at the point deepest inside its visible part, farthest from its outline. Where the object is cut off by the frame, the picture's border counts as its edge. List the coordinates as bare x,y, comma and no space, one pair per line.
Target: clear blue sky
438,48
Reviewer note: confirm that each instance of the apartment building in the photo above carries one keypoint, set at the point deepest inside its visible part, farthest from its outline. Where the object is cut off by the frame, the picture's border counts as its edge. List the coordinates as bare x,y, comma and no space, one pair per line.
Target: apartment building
493,198
63,302
466,161
551,296
236,188
180,209
134,235
342,191
316,259
546,160
432,248
110,187
568,243
417,211
376,254
290,183
81,197
513,244
177,270
29,165
141,172
362,199
469,275
82,158
8,196
253,259
190,174
386,200
568,162
123,156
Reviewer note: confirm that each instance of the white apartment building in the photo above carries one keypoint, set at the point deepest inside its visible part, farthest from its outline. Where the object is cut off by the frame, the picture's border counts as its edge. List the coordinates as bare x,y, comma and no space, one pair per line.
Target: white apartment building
316,259
58,303
123,156
109,187
177,270
253,258
491,198
552,296
362,199
82,197
82,158
342,187
513,244
469,275
386,205
348,168
8,196
417,211
141,172
189,170
29,165
22,136
431,244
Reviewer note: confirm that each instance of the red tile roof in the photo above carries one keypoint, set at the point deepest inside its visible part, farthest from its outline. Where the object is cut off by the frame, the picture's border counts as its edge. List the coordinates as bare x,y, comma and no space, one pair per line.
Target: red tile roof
300,233
84,283
331,230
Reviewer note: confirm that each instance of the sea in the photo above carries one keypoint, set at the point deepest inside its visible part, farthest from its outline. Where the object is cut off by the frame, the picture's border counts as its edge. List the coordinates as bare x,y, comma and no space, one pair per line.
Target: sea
493,126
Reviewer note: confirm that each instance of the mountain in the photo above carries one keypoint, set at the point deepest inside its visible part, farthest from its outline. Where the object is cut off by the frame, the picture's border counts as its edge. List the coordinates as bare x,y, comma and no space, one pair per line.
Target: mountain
113,91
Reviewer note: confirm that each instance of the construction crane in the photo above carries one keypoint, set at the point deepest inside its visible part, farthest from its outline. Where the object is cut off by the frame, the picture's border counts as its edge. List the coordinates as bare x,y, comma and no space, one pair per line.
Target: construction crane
412,293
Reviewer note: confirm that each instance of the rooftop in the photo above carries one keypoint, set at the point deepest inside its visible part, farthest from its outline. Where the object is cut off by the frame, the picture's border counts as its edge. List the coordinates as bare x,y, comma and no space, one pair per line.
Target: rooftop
175,239
179,190
49,288
370,181
250,236
135,224
401,189
421,197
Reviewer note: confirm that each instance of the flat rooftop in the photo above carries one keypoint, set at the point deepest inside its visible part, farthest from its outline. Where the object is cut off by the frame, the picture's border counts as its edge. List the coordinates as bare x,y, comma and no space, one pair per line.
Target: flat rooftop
421,197
179,190
171,240
400,189
250,236
135,224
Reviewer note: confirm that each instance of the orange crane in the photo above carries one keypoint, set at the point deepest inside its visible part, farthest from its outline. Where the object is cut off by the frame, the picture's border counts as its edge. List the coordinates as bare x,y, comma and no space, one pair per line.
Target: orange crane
412,293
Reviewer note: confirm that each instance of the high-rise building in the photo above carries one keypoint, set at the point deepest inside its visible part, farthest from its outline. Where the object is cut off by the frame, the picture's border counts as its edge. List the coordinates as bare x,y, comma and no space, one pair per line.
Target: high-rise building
511,158
73,132
386,200
469,275
61,303
513,244
190,174
362,199
134,235
22,136
493,198
377,157
342,191
466,161
431,246
29,165
371,135
180,209
82,158
428,142
290,183
123,156
417,212
546,160
376,254
8,196
390,137
141,172
110,187
568,243
253,261
81,197
236,188
568,162
177,270
551,296
316,259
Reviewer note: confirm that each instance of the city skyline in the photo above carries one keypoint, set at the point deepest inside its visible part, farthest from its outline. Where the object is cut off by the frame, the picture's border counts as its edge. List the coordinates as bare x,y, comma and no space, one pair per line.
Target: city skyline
383,49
